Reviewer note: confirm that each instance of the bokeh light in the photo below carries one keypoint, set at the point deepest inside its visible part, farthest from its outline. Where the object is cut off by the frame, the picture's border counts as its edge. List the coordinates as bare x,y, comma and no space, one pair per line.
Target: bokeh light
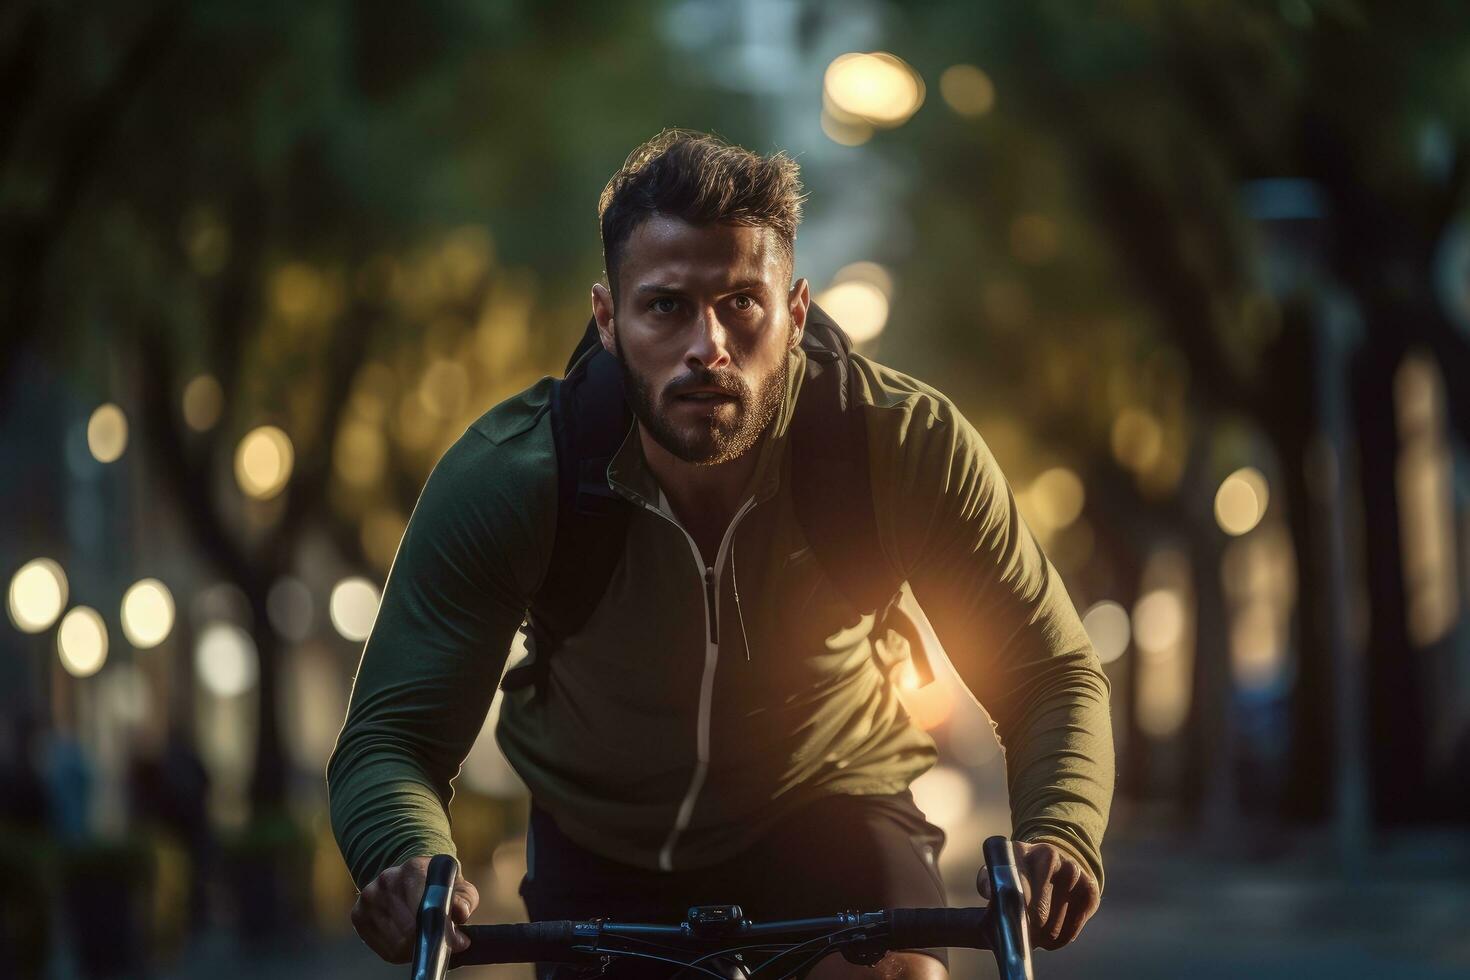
869,272
204,401
1158,622
1257,647
859,307
297,291
1240,503
1163,621
944,794
225,660
353,608
967,90
126,693
930,705
845,131
315,700
263,462
1107,626
81,641
1056,498
38,593
1137,439
1425,480
878,88
147,613
972,738
222,601
107,433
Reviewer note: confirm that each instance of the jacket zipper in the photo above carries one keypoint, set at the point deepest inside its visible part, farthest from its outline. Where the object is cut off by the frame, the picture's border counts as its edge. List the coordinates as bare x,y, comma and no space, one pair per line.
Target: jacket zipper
712,603
711,578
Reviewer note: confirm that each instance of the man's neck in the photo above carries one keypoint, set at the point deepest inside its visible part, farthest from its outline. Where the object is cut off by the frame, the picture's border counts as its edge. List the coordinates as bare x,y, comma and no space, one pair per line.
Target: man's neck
704,498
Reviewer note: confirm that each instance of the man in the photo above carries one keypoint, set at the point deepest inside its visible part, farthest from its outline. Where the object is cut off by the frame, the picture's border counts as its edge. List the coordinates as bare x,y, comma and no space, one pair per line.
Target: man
717,730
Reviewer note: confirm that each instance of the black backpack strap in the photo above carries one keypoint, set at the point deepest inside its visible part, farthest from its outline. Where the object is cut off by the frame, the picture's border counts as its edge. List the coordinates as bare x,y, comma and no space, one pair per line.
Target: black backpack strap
589,421
832,487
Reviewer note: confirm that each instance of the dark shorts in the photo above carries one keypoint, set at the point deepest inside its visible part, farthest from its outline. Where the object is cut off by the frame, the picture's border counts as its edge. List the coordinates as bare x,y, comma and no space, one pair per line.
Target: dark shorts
838,853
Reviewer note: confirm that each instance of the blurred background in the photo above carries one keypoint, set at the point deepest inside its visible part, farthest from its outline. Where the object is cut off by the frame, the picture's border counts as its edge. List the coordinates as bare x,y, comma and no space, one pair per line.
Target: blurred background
1199,271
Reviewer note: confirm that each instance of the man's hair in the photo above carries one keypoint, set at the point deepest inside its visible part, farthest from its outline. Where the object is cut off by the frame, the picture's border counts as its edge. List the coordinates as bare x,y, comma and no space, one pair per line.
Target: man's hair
700,179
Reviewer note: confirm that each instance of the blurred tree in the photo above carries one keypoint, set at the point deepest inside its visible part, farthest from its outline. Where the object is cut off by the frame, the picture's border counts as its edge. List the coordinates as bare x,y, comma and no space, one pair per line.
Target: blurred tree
324,214
1145,133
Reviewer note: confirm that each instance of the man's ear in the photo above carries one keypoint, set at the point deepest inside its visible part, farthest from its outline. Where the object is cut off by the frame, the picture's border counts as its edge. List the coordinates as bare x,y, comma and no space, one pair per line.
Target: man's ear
602,312
798,301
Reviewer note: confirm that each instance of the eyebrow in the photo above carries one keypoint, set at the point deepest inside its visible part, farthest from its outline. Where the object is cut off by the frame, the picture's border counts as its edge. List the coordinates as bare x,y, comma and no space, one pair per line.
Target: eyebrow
657,287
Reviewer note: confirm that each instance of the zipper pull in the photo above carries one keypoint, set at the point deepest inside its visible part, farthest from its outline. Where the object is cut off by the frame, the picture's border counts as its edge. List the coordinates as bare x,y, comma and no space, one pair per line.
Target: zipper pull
714,604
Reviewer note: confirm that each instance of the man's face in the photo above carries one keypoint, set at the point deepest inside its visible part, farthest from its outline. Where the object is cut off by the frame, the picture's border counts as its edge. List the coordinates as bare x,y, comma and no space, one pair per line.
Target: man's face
703,323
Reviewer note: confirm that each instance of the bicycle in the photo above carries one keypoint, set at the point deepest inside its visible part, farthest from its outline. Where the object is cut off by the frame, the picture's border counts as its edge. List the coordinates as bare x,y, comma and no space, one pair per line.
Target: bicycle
718,941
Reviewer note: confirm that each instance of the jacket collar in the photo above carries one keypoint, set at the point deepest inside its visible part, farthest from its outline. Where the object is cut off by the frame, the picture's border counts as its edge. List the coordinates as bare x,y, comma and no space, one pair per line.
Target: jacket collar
630,476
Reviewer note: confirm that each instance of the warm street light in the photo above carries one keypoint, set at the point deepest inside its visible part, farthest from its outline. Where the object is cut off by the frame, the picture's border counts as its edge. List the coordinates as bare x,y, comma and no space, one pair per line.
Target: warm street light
353,608
37,595
204,400
1107,626
81,641
263,462
877,88
967,90
147,613
107,433
225,660
860,308
1240,503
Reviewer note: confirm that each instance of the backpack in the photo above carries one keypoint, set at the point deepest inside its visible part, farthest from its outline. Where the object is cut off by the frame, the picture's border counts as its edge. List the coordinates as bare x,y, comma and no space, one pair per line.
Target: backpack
831,490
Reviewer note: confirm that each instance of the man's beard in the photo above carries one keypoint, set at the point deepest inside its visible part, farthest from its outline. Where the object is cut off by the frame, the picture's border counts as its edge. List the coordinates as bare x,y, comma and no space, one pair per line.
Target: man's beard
711,439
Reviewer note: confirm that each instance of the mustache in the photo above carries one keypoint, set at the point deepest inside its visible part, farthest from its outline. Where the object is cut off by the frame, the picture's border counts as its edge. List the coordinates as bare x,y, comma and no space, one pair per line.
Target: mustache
728,384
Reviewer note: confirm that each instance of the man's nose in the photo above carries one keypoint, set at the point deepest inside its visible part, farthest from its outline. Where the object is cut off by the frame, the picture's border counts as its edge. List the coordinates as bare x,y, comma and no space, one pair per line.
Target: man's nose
709,342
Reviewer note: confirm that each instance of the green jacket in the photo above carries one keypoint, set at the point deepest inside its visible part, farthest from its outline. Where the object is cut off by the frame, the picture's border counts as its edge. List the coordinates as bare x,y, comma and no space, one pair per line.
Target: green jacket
698,706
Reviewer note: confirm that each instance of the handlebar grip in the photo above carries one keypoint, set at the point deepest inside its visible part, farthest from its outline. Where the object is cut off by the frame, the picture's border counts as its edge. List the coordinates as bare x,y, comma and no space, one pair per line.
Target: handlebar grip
523,942
916,928
1010,934
431,954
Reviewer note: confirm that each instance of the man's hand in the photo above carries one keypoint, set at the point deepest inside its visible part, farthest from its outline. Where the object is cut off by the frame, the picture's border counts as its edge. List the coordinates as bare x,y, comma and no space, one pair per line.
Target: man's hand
1061,894
386,913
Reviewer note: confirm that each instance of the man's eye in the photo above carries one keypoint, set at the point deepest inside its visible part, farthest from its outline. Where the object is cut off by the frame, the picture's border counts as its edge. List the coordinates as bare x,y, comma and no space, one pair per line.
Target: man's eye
744,304
664,305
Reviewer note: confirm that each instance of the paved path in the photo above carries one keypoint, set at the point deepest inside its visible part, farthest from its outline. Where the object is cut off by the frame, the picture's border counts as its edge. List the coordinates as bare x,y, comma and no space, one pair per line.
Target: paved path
1169,913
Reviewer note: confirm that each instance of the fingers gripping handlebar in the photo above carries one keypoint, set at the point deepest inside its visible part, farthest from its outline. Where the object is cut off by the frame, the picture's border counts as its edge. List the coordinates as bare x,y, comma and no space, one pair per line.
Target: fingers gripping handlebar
1001,927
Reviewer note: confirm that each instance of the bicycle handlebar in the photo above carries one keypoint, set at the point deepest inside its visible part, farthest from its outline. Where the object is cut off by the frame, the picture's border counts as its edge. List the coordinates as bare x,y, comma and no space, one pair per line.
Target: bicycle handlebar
568,941
1001,927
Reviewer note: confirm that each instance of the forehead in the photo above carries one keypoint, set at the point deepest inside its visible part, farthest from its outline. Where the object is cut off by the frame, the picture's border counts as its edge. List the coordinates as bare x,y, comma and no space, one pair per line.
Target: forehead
672,251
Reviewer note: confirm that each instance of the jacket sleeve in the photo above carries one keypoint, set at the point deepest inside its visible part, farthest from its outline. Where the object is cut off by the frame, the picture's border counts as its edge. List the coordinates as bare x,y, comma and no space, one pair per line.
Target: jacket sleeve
452,603
950,523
